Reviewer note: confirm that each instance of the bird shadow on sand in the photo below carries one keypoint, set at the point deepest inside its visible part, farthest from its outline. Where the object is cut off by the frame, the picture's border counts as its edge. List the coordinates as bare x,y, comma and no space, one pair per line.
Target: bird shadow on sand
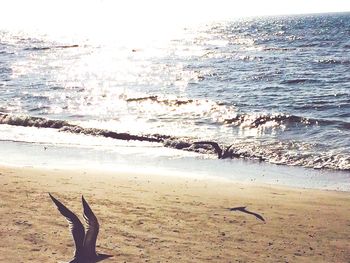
243,209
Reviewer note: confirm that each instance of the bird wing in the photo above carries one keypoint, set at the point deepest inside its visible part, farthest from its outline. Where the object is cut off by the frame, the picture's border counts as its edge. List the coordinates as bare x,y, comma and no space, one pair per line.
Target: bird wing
92,229
256,215
244,210
239,208
75,225
215,145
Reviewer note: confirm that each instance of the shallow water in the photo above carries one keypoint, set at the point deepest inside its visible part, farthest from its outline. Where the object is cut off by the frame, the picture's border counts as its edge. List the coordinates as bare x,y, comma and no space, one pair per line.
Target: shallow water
152,159
276,89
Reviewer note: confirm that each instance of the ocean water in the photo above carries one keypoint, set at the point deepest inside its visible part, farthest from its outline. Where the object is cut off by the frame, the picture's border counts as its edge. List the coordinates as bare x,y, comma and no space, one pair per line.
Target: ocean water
273,89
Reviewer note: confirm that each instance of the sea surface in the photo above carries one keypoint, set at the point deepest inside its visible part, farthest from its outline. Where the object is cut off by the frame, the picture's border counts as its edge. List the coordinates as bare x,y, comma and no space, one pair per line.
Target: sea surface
272,89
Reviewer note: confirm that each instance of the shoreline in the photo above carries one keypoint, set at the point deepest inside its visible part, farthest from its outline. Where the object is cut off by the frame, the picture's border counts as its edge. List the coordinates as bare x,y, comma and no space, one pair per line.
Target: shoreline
151,159
150,218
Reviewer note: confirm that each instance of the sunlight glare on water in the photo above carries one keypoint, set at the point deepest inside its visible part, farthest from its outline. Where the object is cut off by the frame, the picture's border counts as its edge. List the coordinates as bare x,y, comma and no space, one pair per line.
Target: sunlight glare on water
146,67
99,22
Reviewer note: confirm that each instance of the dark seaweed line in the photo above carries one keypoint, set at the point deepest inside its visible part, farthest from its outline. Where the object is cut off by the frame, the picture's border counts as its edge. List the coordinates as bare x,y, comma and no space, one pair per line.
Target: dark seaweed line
64,126
206,147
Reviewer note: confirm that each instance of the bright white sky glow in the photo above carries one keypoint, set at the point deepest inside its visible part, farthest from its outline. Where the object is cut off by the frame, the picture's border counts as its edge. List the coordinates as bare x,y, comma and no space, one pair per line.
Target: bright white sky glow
100,16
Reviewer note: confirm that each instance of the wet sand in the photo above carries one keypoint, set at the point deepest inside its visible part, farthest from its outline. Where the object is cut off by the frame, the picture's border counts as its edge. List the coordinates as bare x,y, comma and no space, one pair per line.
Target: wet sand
152,218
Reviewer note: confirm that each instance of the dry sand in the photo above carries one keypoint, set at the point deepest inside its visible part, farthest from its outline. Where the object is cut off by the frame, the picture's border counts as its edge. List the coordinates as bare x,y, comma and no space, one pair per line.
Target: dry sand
148,218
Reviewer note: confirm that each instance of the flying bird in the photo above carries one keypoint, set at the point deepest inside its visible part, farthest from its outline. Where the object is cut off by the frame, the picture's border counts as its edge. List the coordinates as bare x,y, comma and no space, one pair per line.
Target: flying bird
85,242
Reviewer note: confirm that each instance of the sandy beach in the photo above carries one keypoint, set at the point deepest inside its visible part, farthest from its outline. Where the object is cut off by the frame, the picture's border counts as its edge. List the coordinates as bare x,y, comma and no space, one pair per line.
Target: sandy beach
152,218
197,132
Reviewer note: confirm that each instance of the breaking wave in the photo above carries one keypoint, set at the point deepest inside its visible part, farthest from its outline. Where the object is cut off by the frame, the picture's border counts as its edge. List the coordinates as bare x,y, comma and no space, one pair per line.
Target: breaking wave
227,114
257,120
288,153
333,61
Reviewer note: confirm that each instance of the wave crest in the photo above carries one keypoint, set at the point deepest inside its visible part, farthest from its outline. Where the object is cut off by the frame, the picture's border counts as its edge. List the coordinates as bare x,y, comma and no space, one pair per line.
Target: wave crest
288,153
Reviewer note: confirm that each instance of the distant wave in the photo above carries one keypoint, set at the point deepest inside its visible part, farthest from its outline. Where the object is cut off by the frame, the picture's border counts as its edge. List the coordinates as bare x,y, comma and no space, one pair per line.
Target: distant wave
40,109
48,47
174,102
278,49
314,44
333,61
3,52
254,121
36,48
273,153
247,120
261,119
5,70
298,81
